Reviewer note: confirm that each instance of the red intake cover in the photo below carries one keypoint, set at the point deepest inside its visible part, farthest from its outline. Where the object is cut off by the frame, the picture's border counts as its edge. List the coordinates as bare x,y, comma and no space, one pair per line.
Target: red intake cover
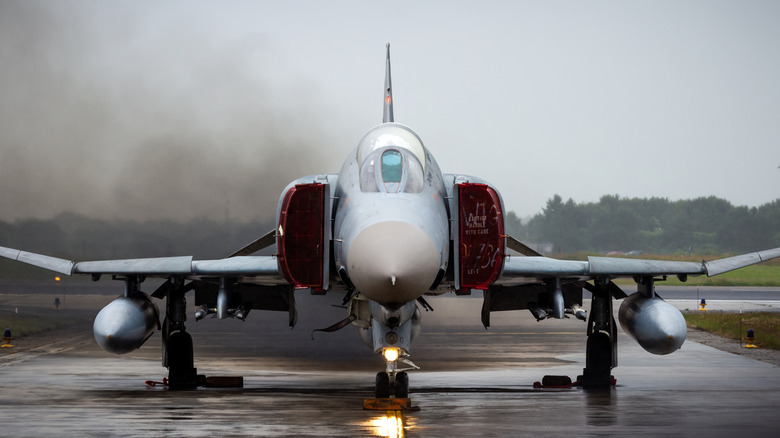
481,235
300,235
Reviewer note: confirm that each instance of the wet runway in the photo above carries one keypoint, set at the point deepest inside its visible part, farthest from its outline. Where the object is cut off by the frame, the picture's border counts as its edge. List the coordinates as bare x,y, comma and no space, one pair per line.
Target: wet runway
472,381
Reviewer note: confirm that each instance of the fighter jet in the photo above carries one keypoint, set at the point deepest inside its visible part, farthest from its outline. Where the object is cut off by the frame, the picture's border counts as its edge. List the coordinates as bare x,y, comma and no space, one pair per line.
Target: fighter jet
389,229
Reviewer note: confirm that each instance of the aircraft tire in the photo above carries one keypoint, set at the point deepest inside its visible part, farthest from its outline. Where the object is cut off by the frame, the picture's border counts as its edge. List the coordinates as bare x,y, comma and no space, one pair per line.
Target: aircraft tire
599,351
598,362
181,373
401,385
382,385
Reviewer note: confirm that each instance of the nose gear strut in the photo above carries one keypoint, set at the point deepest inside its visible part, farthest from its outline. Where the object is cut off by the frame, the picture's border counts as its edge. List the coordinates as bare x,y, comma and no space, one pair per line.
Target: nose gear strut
393,381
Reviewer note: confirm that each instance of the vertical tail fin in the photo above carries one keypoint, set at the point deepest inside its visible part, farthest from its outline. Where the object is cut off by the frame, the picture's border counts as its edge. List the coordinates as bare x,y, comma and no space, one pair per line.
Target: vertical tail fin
387,116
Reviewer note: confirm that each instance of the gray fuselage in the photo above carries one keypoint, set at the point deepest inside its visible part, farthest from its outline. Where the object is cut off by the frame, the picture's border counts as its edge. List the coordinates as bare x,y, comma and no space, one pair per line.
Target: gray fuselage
391,225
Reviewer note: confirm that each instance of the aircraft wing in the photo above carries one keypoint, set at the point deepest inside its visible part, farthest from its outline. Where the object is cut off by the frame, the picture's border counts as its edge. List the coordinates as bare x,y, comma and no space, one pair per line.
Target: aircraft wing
252,269
520,269
551,287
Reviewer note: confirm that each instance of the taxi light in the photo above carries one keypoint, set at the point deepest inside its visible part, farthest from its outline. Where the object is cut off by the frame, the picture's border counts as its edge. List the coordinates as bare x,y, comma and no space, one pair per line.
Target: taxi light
391,354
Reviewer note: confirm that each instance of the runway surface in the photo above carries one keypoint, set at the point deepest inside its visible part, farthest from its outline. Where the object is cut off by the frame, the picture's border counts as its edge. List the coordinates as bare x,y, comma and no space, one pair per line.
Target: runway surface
472,382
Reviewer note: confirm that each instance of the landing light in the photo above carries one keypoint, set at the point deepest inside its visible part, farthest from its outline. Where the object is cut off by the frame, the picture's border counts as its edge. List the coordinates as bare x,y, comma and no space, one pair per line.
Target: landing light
391,354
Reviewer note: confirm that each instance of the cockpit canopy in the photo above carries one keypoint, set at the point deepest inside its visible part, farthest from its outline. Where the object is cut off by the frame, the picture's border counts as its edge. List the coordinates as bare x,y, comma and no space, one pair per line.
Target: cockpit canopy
390,134
391,159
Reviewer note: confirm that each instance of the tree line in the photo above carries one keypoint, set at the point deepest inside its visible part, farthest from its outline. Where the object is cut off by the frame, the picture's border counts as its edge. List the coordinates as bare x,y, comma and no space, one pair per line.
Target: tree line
73,236
706,225
652,225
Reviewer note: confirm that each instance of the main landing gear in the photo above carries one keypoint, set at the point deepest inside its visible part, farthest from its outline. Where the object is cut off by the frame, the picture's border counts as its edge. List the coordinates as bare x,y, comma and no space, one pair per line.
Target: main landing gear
601,348
177,343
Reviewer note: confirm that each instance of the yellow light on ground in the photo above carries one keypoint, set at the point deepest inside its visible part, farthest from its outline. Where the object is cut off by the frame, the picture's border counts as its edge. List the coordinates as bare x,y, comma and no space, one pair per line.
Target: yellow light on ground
750,338
391,354
390,426
56,278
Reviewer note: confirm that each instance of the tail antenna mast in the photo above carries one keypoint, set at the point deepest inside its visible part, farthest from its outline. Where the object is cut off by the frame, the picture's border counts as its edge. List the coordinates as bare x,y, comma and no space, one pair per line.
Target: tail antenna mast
387,116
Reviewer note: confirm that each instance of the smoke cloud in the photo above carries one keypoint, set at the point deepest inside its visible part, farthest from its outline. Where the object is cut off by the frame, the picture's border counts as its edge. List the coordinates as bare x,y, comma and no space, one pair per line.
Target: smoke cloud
116,113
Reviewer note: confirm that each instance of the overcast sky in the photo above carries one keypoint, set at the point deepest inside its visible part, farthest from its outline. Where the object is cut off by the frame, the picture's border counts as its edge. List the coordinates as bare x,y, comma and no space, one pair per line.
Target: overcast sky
179,109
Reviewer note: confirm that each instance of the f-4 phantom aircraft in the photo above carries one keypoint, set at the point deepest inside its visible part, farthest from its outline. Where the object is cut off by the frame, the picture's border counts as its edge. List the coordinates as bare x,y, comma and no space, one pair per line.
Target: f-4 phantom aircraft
387,230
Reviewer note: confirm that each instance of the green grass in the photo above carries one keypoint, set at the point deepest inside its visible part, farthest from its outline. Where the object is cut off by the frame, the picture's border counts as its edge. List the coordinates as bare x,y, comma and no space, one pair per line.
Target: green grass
22,325
755,275
762,274
766,325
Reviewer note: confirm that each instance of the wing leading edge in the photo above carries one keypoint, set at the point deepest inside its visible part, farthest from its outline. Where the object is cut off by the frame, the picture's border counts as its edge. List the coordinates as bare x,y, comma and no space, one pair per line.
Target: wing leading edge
261,269
519,269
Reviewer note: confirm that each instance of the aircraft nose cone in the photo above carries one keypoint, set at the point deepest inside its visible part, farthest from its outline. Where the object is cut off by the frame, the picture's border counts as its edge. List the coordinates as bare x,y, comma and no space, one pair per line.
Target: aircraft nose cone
392,262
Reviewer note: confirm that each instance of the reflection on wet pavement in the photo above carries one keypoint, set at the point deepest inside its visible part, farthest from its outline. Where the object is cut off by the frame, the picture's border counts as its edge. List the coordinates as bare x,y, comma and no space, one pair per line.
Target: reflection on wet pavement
472,383
390,425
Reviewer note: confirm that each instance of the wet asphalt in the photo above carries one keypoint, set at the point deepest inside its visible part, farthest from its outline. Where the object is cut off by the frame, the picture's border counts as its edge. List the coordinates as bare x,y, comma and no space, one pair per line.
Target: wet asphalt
472,382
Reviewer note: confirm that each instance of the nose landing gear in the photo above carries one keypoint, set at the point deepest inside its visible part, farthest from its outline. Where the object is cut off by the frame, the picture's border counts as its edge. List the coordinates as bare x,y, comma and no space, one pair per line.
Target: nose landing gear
396,383
392,385
391,332
392,381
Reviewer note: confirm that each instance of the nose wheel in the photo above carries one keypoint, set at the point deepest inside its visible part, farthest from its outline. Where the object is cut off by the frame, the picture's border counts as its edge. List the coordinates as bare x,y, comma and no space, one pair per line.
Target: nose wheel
382,385
395,383
401,385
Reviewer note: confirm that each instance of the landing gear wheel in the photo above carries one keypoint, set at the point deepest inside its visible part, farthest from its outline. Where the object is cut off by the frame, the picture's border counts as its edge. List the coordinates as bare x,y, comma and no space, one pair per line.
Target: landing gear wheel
598,361
382,385
401,385
166,333
598,352
181,373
